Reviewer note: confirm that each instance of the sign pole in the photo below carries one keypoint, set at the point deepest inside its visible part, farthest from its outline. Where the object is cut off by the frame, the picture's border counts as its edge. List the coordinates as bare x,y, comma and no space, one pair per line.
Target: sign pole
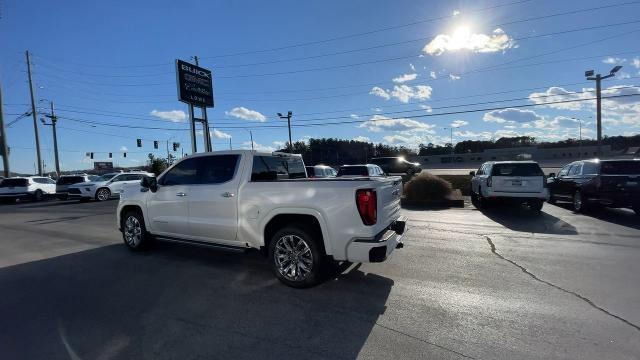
192,127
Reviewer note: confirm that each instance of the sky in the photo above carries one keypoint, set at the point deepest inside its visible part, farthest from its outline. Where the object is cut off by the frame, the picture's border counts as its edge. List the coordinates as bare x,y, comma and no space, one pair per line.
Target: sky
393,72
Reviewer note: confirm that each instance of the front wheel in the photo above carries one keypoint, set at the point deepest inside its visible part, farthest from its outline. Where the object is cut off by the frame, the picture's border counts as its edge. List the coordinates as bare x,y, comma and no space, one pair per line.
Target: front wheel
134,231
103,194
296,257
38,195
579,202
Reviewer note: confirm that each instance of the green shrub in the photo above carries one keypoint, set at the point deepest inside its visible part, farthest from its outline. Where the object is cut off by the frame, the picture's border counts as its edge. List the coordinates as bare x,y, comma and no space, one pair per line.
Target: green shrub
427,187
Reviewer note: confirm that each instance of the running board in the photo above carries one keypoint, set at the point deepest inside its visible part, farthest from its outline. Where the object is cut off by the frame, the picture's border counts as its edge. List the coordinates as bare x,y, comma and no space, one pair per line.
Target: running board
223,247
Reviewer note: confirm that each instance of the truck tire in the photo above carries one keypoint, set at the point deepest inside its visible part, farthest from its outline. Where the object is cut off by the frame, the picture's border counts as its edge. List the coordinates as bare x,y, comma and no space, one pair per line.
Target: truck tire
579,202
536,206
134,231
103,194
296,257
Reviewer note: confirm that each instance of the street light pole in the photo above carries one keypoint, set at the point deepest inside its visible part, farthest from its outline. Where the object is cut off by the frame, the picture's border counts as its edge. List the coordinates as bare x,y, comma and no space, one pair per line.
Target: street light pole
4,149
589,74
288,117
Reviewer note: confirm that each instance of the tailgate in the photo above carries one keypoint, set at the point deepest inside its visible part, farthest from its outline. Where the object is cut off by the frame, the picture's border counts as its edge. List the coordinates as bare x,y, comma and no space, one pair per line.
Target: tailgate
524,184
389,192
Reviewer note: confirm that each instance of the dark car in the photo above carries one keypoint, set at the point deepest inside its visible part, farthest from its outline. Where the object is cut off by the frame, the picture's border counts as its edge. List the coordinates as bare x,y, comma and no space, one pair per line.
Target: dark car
62,185
589,183
396,165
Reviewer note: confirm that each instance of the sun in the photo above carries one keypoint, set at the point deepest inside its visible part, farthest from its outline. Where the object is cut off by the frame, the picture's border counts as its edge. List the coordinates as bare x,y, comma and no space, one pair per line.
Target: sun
460,37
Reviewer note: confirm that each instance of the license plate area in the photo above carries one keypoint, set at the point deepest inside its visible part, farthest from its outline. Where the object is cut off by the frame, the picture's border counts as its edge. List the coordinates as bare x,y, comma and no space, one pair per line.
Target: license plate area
516,182
632,183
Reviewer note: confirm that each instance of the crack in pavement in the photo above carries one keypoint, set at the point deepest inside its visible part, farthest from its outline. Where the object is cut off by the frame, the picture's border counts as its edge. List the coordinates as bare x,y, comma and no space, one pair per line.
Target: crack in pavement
424,341
575,294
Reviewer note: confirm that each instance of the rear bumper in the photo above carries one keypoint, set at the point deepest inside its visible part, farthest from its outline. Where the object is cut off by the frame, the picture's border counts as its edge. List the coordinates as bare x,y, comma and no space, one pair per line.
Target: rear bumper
379,247
491,194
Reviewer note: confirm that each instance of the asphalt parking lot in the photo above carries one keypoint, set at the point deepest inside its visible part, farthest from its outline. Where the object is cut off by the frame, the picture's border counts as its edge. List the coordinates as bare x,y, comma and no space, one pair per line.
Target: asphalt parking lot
498,285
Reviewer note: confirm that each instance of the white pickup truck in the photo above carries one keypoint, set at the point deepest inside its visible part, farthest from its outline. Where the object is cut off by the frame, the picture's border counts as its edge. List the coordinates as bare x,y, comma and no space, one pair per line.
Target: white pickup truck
245,199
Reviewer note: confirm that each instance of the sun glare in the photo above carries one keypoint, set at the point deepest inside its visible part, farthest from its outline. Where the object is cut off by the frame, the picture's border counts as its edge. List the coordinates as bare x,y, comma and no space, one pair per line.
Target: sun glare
460,37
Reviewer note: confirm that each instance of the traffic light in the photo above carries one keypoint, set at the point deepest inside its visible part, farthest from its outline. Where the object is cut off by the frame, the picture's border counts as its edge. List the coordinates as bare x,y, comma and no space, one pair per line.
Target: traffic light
155,144
91,155
139,142
124,154
110,155
176,146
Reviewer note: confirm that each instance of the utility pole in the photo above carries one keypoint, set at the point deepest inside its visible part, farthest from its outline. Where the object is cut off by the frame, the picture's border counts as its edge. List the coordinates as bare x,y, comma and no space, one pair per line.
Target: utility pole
54,120
34,113
4,147
451,138
288,117
589,74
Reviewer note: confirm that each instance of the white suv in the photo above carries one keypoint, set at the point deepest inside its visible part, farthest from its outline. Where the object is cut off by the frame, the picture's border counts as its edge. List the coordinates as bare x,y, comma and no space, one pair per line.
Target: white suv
31,187
105,187
513,181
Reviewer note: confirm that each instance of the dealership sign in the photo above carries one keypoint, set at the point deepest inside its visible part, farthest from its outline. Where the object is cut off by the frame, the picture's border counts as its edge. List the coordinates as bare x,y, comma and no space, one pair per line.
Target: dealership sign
103,165
195,84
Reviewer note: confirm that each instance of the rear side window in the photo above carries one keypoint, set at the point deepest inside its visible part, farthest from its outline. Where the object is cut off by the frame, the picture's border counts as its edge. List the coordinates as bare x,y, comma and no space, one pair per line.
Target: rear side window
353,171
68,180
217,169
526,169
14,182
271,168
589,168
620,167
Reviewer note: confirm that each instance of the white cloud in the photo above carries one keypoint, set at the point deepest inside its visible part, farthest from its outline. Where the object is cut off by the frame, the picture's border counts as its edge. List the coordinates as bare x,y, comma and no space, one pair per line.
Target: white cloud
246,145
413,68
613,60
459,123
404,78
123,148
511,114
377,109
484,135
246,114
556,94
454,77
383,123
396,139
361,138
623,75
404,93
354,116
380,92
279,144
432,74
171,115
636,63
505,133
455,13
219,134
463,39
426,108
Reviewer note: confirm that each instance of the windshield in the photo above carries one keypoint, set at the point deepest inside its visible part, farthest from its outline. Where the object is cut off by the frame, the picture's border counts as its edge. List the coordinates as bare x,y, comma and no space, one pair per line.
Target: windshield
353,171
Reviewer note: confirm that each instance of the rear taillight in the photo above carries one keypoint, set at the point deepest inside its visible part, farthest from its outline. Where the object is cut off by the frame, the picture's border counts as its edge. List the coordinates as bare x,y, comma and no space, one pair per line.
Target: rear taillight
489,182
367,204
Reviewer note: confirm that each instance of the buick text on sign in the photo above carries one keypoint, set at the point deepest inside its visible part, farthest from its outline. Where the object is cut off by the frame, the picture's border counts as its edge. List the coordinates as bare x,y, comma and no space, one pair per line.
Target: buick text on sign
195,84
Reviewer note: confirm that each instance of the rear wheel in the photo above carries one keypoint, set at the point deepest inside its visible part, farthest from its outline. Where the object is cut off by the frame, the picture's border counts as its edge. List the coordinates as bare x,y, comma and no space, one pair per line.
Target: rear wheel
134,231
536,206
579,202
296,257
103,194
38,195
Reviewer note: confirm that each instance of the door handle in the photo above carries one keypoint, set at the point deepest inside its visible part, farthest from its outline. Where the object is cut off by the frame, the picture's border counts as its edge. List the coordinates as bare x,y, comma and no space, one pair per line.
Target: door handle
228,194
181,194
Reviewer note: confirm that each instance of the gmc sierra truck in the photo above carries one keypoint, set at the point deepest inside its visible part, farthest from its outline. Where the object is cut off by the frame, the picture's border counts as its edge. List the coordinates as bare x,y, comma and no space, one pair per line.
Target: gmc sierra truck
245,199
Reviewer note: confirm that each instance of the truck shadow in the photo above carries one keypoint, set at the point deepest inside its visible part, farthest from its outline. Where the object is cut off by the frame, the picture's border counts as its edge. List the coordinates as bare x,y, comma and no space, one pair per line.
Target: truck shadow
523,220
623,217
181,302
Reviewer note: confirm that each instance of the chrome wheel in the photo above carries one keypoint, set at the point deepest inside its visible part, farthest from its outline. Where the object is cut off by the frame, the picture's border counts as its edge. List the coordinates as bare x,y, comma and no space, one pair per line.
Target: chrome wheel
103,194
132,231
293,258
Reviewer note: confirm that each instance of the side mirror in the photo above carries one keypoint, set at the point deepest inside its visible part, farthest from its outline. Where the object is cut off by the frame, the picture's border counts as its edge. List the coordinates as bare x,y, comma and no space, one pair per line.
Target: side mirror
472,173
150,183
552,175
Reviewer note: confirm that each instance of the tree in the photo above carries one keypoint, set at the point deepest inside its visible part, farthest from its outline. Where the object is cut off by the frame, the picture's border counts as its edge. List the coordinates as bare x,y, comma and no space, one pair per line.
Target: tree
157,165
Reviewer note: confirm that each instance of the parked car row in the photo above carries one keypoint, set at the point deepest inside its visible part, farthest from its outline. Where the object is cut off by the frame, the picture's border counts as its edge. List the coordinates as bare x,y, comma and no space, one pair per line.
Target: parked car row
79,186
586,184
